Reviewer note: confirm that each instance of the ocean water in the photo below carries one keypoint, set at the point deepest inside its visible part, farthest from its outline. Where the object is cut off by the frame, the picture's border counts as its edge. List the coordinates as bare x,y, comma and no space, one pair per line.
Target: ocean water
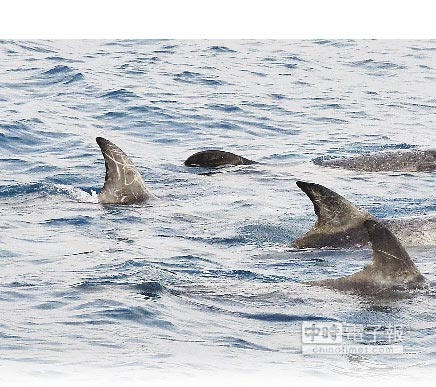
202,280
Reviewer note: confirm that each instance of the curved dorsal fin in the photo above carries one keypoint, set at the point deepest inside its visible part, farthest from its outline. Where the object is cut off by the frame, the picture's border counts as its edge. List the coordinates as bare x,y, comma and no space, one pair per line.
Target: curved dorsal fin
339,222
391,266
332,209
123,183
388,255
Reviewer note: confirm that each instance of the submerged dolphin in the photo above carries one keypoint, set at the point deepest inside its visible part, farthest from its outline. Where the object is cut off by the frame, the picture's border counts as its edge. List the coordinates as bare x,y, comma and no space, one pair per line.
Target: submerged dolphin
340,223
216,158
123,183
392,161
391,267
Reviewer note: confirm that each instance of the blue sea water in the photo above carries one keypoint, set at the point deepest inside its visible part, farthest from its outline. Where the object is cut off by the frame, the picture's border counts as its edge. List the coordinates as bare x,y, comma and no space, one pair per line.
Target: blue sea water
201,280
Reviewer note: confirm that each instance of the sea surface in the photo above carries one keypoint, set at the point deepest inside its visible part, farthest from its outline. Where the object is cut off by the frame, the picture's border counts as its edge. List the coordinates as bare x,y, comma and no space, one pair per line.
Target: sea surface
202,280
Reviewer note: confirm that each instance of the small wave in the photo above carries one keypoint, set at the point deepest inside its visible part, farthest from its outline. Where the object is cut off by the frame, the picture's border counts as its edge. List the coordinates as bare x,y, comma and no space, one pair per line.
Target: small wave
50,305
241,343
59,69
334,106
223,125
295,58
61,74
196,78
221,49
95,284
144,109
75,221
238,274
166,49
114,115
17,126
278,96
33,47
302,83
147,60
61,59
224,108
290,65
139,315
335,43
282,317
371,64
330,120
22,69
20,190
75,78
17,284
120,94
21,136
132,314
257,73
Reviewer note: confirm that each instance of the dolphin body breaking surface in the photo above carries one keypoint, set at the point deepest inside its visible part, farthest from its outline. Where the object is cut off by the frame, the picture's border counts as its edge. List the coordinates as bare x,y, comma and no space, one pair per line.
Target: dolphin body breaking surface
391,267
340,223
216,158
392,161
123,182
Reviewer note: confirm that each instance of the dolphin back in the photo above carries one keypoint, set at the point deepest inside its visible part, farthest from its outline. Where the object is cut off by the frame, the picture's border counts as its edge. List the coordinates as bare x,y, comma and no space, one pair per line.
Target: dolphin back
396,161
215,158
123,183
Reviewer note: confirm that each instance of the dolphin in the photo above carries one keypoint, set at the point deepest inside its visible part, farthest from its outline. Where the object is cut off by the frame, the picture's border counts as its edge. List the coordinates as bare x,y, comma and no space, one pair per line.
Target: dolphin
391,267
391,161
340,223
123,183
215,158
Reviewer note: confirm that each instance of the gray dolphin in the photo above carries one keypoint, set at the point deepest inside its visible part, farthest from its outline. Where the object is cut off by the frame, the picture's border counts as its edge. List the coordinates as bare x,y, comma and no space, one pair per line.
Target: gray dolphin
391,267
123,183
392,161
340,223
215,158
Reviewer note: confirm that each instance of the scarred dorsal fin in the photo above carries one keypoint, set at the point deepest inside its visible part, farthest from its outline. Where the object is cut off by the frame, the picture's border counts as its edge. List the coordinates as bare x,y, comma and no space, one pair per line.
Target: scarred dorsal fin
123,183
339,222
391,267
332,209
388,255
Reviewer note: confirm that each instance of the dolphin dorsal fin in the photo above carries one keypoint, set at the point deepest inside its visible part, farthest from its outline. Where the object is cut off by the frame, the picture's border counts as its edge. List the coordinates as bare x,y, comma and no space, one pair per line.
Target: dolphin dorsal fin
388,253
123,183
332,210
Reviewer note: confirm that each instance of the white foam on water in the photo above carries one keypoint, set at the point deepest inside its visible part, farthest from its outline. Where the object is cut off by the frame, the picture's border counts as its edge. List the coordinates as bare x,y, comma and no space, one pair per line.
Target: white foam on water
77,193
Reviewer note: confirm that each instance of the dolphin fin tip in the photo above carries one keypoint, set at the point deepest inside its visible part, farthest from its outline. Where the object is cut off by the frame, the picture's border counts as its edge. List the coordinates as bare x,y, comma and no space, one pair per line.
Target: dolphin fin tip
301,184
306,187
